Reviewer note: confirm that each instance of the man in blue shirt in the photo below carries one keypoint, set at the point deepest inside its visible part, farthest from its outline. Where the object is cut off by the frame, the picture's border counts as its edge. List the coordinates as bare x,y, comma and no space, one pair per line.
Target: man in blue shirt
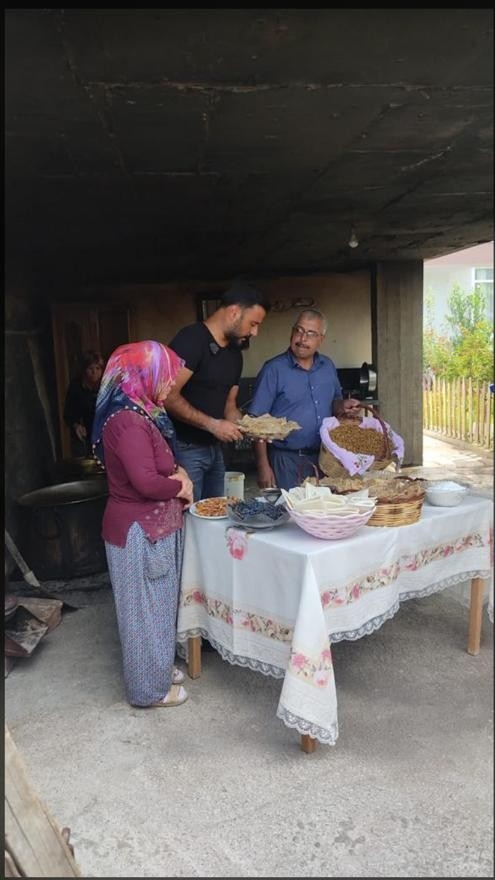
299,384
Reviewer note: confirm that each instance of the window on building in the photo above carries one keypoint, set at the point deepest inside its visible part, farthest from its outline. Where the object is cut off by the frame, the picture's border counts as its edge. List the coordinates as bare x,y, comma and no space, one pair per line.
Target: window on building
483,282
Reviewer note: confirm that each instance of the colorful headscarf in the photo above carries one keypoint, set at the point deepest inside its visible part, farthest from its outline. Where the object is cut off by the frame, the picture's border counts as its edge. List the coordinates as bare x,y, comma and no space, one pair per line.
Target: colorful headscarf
137,375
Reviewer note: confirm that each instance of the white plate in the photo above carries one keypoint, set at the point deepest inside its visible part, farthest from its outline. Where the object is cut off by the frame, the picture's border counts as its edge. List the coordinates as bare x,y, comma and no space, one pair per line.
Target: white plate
194,512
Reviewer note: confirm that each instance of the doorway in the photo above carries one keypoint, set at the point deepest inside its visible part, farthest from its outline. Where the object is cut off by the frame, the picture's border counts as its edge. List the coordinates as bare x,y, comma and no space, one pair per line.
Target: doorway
78,327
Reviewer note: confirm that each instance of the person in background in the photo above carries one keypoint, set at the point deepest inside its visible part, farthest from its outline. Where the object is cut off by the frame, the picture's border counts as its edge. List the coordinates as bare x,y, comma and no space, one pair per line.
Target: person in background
428,377
203,403
300,384
80,401
142,524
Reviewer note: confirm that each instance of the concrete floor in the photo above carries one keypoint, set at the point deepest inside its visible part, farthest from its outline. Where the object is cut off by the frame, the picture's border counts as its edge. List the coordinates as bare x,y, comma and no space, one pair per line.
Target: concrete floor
220,788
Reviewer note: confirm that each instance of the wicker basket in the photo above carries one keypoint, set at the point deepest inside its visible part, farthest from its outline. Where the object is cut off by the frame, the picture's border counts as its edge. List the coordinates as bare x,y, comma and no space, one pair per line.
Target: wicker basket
330,466
402,510
330,528
397,513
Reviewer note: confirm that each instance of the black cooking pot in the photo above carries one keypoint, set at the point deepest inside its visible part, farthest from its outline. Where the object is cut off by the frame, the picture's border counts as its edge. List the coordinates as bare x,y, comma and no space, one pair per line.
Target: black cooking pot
63,529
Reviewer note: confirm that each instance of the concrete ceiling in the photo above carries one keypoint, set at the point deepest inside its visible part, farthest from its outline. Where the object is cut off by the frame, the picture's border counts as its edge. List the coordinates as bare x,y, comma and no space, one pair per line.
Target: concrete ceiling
163,144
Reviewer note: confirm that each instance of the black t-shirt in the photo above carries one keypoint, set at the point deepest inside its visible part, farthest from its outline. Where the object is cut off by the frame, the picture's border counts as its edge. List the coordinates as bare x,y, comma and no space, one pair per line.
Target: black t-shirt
215,371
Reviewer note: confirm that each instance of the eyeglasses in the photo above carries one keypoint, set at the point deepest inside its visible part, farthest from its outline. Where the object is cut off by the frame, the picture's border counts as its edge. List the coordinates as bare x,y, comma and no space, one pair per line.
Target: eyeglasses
301,331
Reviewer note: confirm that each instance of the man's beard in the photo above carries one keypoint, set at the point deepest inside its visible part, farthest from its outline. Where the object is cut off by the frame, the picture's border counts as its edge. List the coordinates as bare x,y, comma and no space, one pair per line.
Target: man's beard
241,342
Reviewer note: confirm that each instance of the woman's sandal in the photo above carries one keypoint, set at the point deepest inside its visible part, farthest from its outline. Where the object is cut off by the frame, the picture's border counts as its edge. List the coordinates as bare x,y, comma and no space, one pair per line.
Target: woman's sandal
175,697
178,676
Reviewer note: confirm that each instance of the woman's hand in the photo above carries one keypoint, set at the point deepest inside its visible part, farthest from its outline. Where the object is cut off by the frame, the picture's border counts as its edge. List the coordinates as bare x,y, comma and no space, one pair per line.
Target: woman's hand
185,492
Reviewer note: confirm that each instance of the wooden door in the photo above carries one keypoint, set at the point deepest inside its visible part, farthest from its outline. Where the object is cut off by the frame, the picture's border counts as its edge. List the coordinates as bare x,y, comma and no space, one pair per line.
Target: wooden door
77,327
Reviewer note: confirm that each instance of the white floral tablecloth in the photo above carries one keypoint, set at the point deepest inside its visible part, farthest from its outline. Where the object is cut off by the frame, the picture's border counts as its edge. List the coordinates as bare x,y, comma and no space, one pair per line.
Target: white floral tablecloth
274,601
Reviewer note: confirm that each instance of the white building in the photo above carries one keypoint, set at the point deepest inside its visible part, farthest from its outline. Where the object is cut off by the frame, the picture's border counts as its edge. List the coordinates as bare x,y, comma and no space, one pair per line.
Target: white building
470,268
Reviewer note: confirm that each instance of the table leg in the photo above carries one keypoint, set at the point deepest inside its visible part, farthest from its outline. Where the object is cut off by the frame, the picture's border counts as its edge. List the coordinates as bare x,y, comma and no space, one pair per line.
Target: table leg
308,743
194,657
475,613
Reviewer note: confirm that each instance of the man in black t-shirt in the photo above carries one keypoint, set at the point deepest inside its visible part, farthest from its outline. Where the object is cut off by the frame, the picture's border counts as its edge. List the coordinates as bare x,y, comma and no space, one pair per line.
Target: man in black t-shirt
203,402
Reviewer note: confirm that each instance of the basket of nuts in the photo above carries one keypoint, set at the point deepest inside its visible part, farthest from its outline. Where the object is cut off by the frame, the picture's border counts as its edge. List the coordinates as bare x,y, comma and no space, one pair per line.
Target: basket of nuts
354,446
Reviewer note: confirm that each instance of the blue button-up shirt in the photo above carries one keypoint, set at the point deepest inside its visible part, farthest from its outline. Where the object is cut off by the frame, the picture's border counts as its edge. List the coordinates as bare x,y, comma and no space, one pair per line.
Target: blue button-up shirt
284,389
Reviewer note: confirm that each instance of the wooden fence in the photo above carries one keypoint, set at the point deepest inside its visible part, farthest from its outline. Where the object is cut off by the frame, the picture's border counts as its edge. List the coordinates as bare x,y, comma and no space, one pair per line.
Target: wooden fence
461,408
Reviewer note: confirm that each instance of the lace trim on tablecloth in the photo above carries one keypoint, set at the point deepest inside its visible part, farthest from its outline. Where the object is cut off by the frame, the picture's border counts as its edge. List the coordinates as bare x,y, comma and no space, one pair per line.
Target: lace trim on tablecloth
233,659
376,622
349,635
327,737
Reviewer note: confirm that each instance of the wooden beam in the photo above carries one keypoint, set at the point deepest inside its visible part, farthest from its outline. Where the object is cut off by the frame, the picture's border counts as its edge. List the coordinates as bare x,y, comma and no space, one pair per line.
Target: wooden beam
34,843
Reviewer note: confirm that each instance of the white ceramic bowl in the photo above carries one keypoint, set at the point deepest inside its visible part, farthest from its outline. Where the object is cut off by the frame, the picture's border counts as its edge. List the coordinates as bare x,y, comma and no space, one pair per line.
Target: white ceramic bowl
445,493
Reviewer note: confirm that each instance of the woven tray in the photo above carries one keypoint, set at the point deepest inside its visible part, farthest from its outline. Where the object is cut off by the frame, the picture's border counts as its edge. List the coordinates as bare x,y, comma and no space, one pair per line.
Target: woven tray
266,427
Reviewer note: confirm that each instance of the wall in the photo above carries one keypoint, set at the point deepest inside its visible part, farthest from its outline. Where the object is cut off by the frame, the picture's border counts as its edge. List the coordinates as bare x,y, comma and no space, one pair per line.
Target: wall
30,401
161,310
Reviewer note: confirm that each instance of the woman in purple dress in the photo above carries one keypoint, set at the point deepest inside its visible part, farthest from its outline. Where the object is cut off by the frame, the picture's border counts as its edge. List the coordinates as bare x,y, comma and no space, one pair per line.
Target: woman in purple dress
142,525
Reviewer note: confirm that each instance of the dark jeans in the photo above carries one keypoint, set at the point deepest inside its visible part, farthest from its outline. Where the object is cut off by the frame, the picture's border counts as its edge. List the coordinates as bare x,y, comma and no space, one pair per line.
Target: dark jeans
205,467
291,468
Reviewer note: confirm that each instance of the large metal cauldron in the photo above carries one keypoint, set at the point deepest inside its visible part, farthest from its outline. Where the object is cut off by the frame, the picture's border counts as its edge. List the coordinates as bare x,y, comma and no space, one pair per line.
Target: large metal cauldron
63,529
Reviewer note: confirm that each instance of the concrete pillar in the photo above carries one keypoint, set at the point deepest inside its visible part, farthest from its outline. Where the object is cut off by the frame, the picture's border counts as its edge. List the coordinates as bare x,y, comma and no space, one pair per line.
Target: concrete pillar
397,322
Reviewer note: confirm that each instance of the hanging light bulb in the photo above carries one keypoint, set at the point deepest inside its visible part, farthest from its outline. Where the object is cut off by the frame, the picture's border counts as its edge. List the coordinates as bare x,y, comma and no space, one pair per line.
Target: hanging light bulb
353,239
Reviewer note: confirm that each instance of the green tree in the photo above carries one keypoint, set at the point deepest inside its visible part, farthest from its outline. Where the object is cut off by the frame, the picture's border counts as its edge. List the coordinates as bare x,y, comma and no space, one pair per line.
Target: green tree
437,352
474,354
467,312
467,351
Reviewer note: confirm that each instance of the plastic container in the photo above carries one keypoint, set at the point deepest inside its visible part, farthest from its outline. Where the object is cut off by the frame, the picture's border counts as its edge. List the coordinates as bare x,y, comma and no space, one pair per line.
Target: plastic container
234,484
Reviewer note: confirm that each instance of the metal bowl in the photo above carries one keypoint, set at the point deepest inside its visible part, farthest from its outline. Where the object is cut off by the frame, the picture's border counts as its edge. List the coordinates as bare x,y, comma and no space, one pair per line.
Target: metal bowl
272,494
257,513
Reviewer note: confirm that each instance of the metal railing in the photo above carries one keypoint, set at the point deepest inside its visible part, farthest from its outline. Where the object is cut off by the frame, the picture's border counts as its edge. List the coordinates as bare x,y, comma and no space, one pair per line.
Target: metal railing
461,409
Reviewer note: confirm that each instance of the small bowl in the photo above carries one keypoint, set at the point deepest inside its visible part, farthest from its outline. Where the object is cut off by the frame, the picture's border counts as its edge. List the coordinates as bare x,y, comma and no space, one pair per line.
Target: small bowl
446,493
